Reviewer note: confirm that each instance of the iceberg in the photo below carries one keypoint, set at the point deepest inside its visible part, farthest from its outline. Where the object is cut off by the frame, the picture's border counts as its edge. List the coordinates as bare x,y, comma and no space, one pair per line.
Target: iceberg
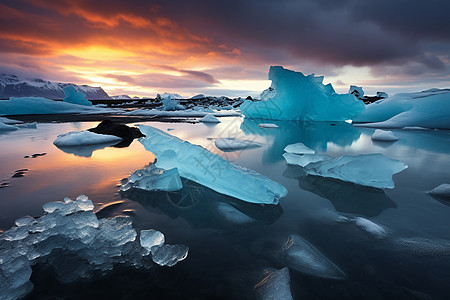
75,97
198,164
83,138
299,255
153,179
36,106
7,127
275,285
233,144
170,101
209,118
9,121
75,243
428,109
374,170
188,113
304,160
294,96
384,136
298,148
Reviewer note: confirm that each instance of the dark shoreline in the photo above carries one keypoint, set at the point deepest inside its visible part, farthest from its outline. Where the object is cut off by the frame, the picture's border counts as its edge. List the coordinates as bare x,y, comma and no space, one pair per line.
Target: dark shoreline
63,118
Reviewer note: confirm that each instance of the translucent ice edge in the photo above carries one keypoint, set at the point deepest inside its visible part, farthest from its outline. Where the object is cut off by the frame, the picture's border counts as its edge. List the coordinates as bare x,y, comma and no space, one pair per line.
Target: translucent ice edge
71,229
200,165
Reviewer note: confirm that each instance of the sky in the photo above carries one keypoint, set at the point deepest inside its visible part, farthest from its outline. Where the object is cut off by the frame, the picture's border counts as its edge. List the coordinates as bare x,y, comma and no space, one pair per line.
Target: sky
142,47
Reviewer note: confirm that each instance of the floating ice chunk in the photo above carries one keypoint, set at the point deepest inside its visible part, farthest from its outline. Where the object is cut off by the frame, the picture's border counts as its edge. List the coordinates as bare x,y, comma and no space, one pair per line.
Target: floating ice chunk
384,135
6,127
356,90
302,98
37,105
170,101
373,170
304,160
25,221
303,257
233,144
9,121
154,179
298,148
209,118
151,238
83,138
75,97
275,286
198,164
267,125
371,227
428,109
169,255
442,191
233,215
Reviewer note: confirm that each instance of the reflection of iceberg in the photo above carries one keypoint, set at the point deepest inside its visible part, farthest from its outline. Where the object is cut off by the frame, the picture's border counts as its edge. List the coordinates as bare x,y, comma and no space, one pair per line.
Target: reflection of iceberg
293,96
209,169
75,243
299,255
373,170
85,151
315,135
204,208
346,197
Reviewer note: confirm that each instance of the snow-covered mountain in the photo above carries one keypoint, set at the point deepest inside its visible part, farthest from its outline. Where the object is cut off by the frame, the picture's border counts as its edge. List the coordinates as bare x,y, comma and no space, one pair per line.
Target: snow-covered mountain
14,86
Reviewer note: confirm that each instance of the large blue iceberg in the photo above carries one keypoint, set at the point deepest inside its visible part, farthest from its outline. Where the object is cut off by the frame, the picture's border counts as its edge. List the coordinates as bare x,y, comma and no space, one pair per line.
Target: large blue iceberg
430,109
294,96
198,164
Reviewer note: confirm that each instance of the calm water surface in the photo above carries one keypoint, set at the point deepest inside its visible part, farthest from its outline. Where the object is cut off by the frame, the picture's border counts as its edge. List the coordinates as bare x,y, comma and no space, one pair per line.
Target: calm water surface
226,256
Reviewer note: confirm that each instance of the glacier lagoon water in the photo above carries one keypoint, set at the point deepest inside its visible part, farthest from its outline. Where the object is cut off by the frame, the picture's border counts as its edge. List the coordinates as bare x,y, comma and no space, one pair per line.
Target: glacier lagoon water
231,242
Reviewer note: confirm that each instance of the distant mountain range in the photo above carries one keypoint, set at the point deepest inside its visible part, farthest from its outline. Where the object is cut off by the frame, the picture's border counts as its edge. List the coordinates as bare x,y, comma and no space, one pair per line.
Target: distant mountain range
14,86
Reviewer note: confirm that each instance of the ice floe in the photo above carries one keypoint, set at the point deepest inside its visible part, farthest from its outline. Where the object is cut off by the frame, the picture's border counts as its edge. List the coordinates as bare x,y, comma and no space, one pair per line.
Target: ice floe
384,136
267,125
233,144
7,127
300,255
298,148
154,179
209,118
200,165
294,96
9,121
71,239
304,160
36,105
275,285
83,138
428,109
188,113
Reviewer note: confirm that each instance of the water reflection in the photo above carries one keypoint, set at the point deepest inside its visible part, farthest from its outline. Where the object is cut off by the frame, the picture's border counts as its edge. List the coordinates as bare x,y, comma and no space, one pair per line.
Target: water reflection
204,208
315,135
346,197
87,150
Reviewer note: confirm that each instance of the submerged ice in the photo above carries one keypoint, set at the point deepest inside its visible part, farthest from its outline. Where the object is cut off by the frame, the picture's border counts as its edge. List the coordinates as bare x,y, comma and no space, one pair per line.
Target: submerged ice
198,164
300,255
70,229
294,96
373,170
